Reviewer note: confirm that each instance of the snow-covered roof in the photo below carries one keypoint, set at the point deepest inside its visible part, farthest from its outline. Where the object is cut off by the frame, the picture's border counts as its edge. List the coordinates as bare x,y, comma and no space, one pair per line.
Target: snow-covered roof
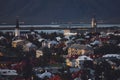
8,72
45,74
53,42
112,55
84,58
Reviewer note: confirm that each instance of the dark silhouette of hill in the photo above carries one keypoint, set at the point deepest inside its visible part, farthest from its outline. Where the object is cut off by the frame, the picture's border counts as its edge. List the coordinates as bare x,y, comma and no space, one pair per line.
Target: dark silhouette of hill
46,11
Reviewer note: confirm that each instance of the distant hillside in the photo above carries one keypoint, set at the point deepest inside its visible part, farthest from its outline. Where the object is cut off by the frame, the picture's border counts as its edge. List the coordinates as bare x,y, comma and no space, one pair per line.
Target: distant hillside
47,11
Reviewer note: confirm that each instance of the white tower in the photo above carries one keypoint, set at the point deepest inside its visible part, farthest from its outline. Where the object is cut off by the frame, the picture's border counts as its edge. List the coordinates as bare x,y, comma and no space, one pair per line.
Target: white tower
17,31
94,23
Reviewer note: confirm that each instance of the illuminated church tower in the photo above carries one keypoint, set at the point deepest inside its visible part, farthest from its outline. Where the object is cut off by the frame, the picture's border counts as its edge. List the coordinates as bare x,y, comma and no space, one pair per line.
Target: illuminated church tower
94,23
17,31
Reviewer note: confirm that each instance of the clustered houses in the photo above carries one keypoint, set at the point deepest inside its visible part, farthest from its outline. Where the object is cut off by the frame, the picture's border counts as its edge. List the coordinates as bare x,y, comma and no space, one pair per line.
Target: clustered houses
76,45
56,48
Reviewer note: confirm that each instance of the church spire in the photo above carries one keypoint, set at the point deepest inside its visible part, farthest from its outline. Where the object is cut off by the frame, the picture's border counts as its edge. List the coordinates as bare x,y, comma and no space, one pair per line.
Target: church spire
17,31
17,23
94,23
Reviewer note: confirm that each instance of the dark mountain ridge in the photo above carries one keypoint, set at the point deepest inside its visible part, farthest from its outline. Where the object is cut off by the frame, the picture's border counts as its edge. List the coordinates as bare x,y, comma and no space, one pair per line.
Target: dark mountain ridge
61,11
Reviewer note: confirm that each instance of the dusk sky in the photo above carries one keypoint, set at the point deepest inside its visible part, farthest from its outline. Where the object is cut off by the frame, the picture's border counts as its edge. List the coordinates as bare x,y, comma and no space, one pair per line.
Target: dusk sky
60,11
